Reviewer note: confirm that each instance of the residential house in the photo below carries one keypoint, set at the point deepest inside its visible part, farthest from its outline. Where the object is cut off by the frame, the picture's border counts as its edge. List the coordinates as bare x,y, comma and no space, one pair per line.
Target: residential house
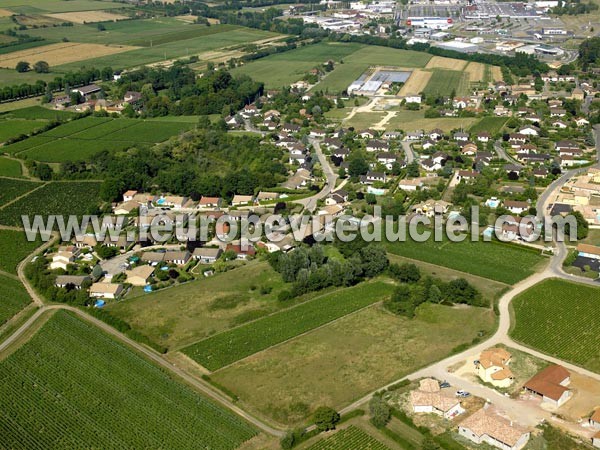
88,90
430,165
126,208
557,112
410,185
517,139
530,130
207,255
484,136
367,134
71,281
336,198
559,124
153,258
595,419
427,144
318,133
107,291
430,399
540,172
341,153
65,256
177,257
372,177
461,136
299,180
291,128
492,367
413,98
140,275
242,252
240,200
85,241
440,157
431,208
501,111
488,427
264,196
469,149
563,146
436,134
596,440
466,175
415,135
516,207
551,385
332,143
588,251
128,196
387,159
582,122
375,145
210,202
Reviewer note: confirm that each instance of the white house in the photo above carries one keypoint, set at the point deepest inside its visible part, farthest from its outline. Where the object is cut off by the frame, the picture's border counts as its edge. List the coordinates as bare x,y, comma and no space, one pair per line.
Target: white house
516,207
488,427
430,399
530,130
413,99
106,291
64,257
492,367
596,440
410,185
207,255
595,420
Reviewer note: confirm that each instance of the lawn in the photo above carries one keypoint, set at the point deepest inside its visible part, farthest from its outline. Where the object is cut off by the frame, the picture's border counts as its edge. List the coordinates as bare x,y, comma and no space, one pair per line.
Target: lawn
238,343
81,139
444,81
73,386
14,247
184,314
363,120
561,319
415,120
55,198
10,168
13,298
350,438
506,263
343,361
490,124
10,77
11,189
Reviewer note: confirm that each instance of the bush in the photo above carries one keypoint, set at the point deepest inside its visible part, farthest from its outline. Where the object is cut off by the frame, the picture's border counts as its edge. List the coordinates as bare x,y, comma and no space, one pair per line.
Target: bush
326,418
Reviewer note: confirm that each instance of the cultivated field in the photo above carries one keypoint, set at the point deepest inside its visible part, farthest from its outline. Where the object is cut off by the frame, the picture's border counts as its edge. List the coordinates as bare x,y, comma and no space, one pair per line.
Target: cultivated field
13,298
51,6
14,247
61,53
561,319
81,139
11,189
55,198
228,347
87,16
106,395
350,438
496,73
475,71
5,12
490,124
505,263
341,362
416,83
444,81
440,62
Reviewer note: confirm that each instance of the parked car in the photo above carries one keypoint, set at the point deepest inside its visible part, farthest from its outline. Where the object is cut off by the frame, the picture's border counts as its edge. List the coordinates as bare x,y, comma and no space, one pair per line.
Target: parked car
463,394
444,384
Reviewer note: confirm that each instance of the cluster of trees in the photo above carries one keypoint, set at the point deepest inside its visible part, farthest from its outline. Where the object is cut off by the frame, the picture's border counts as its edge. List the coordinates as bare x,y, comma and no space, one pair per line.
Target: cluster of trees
416,290
175,91
310,270
574,7
38,67
589,52
206,161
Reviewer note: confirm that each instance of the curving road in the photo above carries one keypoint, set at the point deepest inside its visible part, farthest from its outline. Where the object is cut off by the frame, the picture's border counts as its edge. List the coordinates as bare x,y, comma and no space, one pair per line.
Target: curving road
310,203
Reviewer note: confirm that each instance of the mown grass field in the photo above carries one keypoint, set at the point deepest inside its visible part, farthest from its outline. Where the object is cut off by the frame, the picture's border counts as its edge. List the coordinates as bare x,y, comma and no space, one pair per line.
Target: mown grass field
561,319
500,262
230,346
343,361
55,198
10,168
11,189
13,298
444,81
24,121
14,247
106,396
350,438
81,139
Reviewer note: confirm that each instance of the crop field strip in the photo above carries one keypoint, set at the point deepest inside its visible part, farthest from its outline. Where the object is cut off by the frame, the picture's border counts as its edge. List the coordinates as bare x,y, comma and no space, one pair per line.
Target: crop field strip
101,394
14,247
81,139
10,168
55,198
444,81
351,438
505,263
223,349
13,298
561,319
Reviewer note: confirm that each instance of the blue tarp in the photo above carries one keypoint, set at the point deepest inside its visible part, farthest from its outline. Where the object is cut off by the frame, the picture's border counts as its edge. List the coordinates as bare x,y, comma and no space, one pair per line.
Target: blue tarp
100,303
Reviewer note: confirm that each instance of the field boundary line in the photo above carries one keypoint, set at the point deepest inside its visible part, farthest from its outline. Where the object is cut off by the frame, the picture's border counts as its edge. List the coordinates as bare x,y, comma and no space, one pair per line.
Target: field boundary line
9,275
23,195
297,336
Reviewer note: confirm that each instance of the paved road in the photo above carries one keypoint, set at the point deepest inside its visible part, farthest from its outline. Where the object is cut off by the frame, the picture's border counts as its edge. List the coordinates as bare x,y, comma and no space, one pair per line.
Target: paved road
408,151
310,203
503,155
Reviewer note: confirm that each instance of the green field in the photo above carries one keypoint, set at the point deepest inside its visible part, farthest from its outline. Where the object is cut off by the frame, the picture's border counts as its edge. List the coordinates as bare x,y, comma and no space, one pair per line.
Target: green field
10,77
490,124
14,247
350,438
13,298
443,82
73,386
230,346
37,112
561,319
81,139
54,6
218,36
14,128
500,262
11,189
351,61
55,198
9,168
341,362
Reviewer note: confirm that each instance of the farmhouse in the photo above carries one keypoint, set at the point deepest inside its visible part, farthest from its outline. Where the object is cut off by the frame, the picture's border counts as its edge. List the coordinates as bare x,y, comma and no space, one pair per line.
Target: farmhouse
487,426
107,291
429,398
492,367
140,275
90,89
551,385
